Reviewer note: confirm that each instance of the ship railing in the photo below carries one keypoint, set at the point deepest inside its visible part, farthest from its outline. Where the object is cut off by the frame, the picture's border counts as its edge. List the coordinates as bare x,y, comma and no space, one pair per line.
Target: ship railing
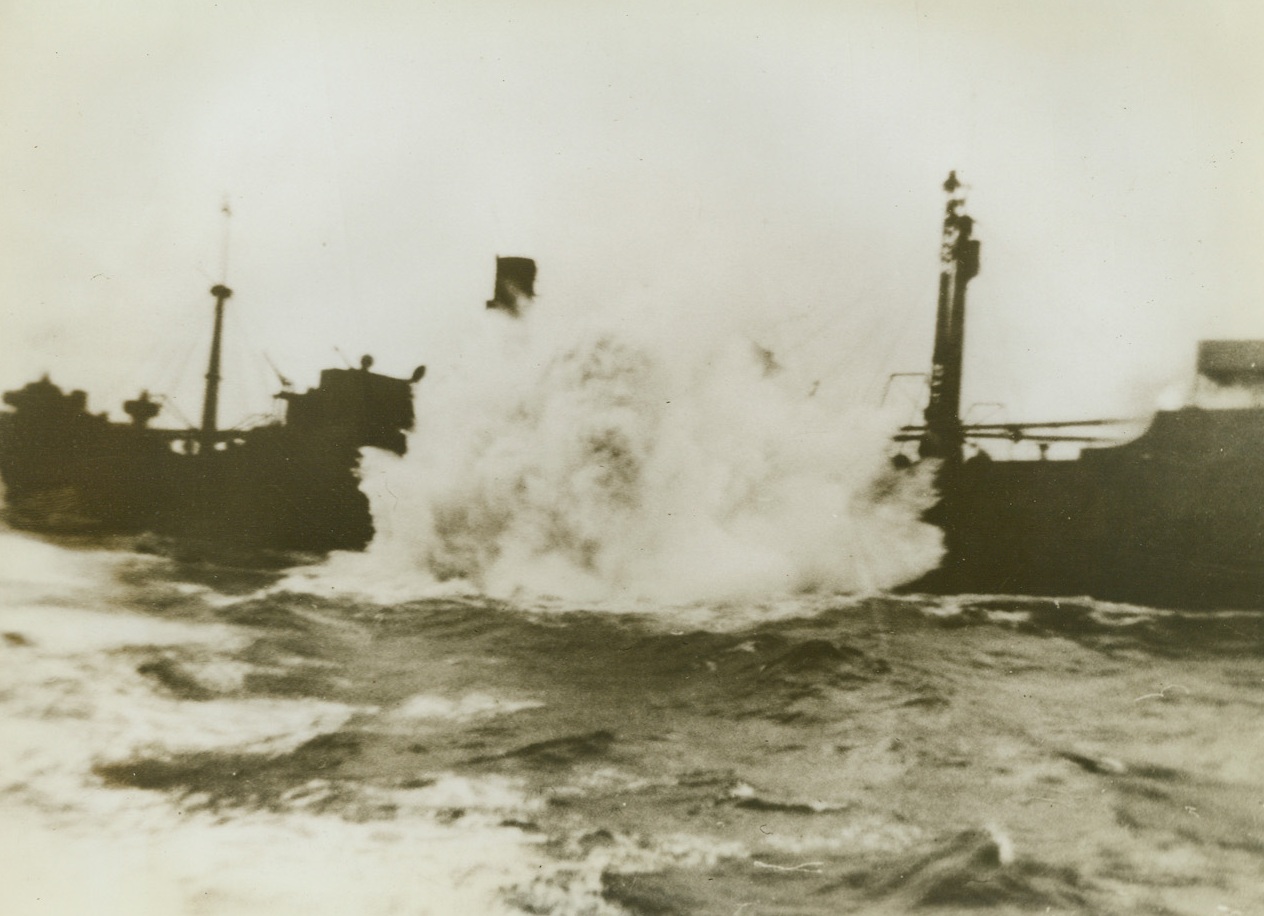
1028,432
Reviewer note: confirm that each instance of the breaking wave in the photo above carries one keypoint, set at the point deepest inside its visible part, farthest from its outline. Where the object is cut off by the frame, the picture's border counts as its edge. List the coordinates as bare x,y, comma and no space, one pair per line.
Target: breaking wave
608,462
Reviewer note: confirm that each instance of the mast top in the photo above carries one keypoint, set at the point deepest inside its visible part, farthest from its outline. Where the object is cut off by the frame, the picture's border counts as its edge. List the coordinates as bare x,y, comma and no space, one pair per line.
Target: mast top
959,263
958,247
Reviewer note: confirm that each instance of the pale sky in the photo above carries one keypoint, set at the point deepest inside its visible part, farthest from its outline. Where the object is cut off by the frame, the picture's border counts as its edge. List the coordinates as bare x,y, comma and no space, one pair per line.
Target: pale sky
772,167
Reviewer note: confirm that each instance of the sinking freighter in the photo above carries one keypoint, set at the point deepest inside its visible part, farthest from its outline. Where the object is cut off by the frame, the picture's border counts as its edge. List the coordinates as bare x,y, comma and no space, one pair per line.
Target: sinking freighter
291,484
1174,517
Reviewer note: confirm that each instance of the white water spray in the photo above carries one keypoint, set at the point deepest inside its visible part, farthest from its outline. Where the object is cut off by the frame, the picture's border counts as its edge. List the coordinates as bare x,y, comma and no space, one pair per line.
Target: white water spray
609,462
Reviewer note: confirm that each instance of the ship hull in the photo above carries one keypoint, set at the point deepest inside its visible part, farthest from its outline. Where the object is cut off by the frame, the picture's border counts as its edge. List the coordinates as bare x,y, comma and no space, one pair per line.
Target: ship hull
292,485
269,490
1173,519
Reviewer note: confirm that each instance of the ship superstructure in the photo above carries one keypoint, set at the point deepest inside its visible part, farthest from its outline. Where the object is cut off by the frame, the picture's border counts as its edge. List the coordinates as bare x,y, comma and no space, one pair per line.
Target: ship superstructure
290,484
1174,517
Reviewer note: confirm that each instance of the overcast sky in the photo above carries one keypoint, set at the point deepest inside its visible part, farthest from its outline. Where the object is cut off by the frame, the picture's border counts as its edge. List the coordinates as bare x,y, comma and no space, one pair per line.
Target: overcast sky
772,167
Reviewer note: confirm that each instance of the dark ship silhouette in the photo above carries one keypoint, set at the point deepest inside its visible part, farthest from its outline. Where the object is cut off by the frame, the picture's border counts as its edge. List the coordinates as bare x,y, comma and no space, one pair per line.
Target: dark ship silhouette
1173,518
291,484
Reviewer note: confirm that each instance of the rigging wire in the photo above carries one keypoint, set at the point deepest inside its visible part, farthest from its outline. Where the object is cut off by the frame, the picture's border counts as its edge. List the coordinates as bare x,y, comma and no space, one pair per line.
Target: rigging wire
285,382
251,386
159,370
180,415
253,421
148,370
180,371
248,331
897,339
861,326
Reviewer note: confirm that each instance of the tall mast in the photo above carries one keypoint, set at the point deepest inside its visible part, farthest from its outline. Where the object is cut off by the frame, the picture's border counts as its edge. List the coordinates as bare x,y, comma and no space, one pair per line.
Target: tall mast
221,292
959,264
210,403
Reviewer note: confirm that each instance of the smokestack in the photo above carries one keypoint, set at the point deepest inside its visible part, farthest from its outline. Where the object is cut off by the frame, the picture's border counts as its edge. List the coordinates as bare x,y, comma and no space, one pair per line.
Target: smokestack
515,285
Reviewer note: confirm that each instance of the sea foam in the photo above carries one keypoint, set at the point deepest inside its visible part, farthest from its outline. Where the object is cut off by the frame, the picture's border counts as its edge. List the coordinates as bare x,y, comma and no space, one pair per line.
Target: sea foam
601,460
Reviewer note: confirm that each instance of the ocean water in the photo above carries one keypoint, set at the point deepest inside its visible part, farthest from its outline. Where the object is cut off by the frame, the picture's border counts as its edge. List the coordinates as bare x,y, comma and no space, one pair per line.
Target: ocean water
181,734
627,642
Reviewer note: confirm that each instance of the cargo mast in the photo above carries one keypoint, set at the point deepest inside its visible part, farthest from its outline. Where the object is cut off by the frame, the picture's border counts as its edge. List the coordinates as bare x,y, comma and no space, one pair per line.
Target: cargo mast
210,402
959,263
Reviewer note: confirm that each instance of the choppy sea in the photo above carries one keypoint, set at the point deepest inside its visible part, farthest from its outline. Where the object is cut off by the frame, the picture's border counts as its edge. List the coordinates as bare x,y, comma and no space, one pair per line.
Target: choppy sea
184,735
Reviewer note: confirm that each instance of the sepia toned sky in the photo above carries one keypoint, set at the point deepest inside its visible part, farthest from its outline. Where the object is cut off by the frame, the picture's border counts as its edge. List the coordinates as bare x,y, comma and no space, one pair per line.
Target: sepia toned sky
767,167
